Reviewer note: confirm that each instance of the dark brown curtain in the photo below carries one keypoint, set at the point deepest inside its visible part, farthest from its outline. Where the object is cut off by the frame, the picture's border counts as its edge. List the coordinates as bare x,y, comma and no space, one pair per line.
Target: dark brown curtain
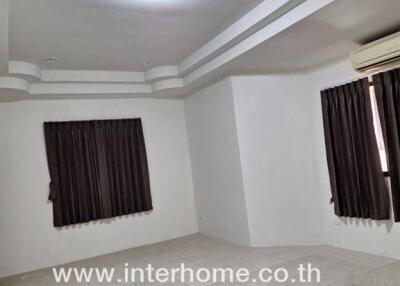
98,169
356,177
387,91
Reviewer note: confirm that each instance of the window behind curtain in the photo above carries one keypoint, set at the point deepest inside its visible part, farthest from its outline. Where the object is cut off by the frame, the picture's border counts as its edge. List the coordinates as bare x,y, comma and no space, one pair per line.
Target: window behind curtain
378,128
354,165
98,169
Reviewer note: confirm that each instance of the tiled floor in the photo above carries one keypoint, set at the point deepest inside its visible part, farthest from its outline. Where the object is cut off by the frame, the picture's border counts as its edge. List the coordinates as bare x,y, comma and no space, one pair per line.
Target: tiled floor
337,265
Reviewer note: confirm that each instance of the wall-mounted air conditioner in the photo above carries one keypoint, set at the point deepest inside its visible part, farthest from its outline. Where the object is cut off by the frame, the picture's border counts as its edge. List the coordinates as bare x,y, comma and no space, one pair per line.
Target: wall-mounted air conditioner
378,54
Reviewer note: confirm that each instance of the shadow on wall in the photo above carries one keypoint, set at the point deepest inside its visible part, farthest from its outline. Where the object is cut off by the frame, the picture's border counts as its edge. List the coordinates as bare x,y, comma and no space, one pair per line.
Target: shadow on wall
374,223
100,221
368,222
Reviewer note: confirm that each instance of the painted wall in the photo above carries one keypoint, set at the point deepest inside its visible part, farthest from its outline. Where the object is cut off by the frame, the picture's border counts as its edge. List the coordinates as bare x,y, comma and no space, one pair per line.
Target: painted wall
275,140
217,173
285,175
381,238
259,172
27,238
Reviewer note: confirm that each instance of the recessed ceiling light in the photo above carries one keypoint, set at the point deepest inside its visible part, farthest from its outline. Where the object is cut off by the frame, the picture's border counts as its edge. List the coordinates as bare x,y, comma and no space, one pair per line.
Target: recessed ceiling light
149,63
50,60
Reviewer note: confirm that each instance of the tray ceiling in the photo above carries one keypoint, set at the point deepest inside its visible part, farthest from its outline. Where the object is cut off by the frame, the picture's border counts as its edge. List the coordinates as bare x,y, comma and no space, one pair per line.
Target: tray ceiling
102,45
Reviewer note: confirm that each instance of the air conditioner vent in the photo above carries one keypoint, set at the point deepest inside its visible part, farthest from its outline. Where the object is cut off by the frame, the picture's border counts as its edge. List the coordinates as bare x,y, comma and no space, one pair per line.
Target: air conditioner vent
377,54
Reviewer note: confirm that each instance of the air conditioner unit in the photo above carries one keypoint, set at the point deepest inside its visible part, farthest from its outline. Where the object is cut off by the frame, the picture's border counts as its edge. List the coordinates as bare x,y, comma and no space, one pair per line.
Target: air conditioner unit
377,55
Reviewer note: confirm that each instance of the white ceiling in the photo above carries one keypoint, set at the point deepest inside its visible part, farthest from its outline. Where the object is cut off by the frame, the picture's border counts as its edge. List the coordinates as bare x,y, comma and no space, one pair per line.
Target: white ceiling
116,34
330,33
102,44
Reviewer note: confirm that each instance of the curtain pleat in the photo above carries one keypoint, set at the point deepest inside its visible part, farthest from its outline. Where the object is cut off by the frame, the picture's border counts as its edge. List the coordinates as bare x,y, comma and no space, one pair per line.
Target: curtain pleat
357,181
98,169
387,90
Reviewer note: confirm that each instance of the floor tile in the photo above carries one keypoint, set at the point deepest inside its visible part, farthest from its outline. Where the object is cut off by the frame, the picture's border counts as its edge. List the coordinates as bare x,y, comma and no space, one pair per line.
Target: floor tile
339,267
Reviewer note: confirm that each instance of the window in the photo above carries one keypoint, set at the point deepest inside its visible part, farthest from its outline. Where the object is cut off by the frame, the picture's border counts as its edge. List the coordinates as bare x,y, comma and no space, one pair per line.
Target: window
378,128
387,93
98,169
351,128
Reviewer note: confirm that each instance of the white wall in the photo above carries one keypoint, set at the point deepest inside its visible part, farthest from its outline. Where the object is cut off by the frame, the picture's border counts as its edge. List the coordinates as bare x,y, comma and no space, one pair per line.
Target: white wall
381,238
28,239
259,172
285,175
275,138
282,162
217,173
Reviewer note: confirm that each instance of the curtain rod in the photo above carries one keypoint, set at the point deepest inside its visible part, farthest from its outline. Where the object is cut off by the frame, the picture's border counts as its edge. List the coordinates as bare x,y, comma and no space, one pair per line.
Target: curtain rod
346,82
384,68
